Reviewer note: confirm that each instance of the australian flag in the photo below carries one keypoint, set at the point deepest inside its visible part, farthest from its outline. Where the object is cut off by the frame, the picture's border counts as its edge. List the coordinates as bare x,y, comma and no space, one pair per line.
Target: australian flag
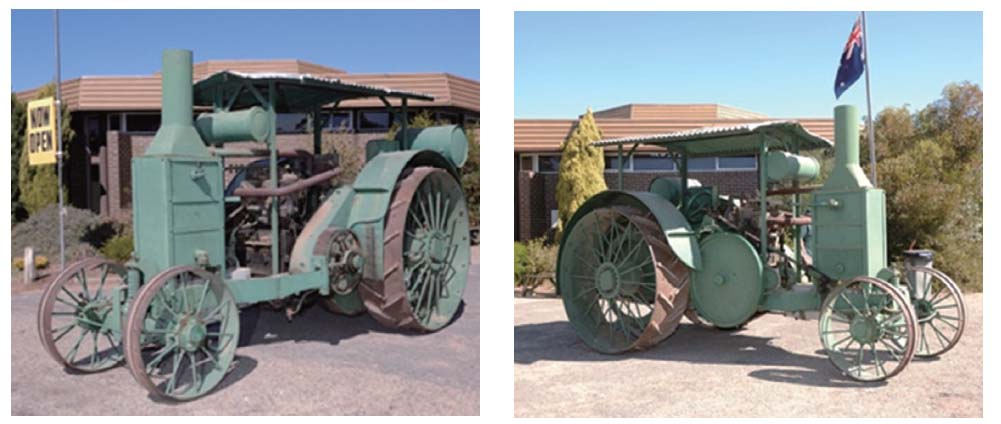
852,61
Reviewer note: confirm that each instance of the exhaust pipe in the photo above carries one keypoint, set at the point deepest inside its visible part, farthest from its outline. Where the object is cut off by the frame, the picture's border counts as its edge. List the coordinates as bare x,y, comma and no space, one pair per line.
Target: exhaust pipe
177,135
847,174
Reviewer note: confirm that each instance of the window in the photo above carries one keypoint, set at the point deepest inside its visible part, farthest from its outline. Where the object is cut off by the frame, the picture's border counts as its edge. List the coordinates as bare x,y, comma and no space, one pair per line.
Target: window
115,122
291,123
339,121
653,163
612,163
373,120
447,117
142,122
738,162
702,164
550,164
526,163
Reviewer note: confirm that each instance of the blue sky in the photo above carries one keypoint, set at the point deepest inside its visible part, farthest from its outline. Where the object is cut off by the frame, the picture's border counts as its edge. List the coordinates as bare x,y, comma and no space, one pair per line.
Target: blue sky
130,42
778,63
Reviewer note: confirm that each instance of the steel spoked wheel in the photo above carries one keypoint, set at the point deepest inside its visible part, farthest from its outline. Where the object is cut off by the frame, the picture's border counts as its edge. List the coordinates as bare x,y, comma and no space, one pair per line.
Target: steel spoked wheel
867,329
426,253
622,286
181,333
77,320
939,309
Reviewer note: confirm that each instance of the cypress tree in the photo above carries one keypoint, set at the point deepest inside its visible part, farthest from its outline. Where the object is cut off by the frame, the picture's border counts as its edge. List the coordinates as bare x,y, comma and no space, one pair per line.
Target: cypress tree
582,169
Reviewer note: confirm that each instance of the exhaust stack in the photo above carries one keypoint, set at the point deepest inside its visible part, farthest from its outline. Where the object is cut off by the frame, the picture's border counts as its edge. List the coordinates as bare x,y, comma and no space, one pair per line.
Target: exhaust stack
847,174
177,135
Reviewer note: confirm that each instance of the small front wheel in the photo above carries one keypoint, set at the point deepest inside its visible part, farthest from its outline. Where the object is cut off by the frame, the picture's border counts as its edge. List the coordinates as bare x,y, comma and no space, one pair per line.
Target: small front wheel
867,329
181,333
77,318
939,309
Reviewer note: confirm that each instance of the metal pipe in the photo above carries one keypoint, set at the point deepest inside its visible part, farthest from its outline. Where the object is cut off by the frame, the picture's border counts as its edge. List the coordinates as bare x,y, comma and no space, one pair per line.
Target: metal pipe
59,150
793,190
288,189
177,93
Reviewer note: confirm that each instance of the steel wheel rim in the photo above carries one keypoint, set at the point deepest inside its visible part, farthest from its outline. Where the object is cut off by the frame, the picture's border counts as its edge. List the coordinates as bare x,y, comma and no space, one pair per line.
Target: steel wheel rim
940,312
182,333
867,329
436,250
612,276
74,324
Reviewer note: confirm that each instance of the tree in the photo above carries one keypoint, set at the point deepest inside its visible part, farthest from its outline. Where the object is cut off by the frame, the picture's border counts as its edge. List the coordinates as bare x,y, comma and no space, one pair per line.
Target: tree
582,169
471,175
18,121
38,185
931,165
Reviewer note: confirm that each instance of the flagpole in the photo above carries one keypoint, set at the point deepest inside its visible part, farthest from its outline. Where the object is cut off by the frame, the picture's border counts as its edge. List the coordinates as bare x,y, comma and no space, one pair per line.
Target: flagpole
59,148
868,104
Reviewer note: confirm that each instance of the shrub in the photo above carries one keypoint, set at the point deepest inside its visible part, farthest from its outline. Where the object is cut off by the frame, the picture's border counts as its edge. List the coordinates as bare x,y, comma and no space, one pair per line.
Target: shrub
119,248
41,262
83,231
18,263
582,169
520,262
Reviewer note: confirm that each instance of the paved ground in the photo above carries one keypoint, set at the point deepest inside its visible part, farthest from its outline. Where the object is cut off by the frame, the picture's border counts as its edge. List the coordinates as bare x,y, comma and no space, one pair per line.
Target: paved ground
772,368
319,363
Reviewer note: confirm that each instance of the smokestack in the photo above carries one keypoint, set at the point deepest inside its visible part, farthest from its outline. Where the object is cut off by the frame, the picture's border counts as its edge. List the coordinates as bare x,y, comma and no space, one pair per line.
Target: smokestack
177,134
847,174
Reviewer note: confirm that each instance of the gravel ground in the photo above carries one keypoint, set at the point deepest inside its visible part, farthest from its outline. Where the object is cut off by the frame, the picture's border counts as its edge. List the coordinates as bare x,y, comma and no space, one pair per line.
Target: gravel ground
319,363
775,367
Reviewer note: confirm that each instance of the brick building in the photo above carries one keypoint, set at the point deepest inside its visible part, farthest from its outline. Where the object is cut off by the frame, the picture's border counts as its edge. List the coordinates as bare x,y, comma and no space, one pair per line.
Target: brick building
116,117
537,154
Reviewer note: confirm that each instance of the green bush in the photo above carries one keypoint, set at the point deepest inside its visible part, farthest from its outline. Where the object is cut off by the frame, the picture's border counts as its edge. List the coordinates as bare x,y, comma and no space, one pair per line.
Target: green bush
84,232
118,248
520,262
582,169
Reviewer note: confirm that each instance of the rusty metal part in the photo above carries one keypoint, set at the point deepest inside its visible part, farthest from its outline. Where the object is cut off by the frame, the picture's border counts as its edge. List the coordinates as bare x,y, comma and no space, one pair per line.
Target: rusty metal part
672,285
786,220
288,189
793,190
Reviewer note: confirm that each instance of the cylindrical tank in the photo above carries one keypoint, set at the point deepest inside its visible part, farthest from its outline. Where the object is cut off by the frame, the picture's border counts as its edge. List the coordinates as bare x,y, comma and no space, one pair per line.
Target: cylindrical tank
670,188
448,140
785,166
242,125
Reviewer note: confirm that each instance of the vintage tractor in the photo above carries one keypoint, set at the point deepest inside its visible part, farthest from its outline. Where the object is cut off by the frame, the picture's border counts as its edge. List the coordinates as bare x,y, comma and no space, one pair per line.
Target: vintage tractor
394,243
631,264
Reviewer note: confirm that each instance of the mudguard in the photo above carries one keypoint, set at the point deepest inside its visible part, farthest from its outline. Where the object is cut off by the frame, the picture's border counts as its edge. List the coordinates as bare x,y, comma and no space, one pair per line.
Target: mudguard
677,232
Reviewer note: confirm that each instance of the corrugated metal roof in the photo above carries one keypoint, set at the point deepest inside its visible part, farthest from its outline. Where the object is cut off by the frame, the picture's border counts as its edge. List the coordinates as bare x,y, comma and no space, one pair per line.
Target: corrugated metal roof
133,93
732,139
546,135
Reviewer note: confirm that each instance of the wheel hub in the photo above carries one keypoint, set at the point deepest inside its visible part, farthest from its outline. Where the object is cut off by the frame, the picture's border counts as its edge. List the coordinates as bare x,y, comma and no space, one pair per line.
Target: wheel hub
924,309
865,330
191,335
607,281
91,315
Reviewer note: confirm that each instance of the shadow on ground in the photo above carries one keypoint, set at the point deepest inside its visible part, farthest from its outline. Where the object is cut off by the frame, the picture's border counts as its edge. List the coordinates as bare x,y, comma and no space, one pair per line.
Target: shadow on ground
556,341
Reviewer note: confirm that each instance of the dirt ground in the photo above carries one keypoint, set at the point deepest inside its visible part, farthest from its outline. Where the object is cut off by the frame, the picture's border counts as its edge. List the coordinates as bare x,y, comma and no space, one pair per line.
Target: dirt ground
774,367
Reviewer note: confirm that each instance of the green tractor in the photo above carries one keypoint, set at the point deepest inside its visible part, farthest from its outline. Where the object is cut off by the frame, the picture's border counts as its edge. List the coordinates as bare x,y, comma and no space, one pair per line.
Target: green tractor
632,264
394,243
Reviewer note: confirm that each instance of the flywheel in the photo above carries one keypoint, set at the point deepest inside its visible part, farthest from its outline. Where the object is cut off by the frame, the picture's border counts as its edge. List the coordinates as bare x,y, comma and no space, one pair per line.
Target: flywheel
425,253
622,286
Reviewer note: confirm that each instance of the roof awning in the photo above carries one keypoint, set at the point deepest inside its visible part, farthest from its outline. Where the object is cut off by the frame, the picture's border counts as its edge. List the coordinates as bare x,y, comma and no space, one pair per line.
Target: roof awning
296,92
744,139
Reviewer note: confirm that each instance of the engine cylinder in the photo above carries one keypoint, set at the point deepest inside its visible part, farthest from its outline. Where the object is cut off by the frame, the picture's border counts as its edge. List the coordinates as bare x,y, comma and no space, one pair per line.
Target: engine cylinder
785,166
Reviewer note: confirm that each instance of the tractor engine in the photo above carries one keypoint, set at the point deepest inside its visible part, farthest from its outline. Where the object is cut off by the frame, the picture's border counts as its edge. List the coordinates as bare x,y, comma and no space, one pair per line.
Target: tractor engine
248,223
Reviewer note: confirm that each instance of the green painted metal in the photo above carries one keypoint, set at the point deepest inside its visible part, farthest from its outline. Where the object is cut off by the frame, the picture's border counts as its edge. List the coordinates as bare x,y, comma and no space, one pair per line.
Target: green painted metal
849,214
176,136
867,328
728,288
181,333
785,166
677,231
797,298
252,124
939,310
670,188
448,140
278,286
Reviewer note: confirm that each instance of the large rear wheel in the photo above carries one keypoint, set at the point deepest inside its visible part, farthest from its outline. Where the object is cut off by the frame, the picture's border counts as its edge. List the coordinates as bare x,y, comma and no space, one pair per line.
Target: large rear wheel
425,253
622,286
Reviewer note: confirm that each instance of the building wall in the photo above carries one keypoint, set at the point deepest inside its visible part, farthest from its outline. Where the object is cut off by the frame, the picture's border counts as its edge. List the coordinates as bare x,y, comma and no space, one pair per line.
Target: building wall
537,193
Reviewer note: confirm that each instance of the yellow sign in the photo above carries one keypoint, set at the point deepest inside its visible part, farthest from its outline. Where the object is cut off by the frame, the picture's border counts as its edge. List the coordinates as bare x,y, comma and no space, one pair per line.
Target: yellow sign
42,131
